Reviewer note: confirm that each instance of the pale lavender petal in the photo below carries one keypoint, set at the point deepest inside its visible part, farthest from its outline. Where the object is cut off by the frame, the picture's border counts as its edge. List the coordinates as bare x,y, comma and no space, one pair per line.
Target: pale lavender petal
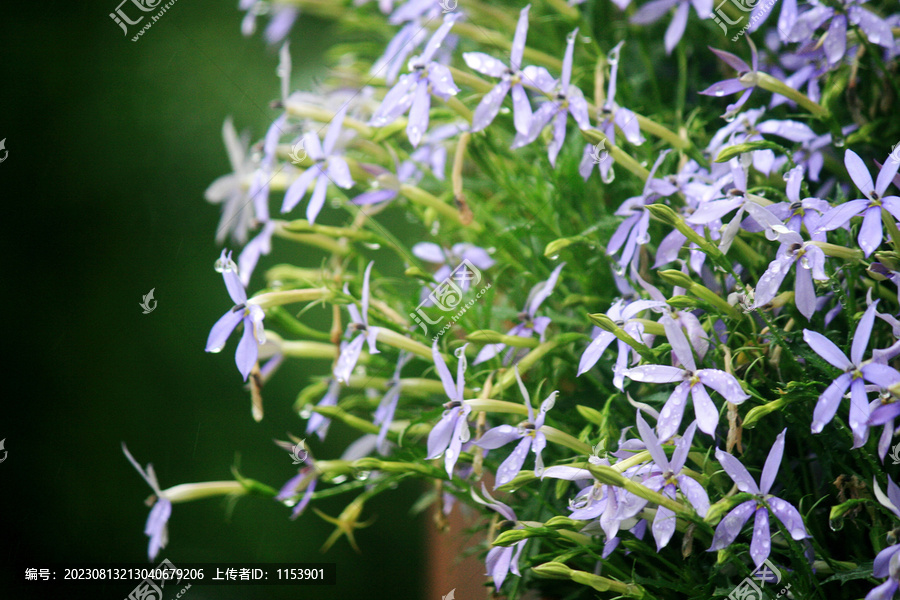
429,252
521,109
485,64
545,291
695,494
156,526
737,472
559,136
348,358
396,101
334,130
339,172
836,39
876,29
317,200
655,374
510,467
828,402
839,215
859,407
789,516
704,409
489,106
297,190
871,233
773,463
460,436
727,385
652,443
443,372
804,292
498,436
826,349
858,172
441,80
219,333
247,350
771,280
497,563
418,114
729,527
439,436
725,87
761,545
595,350
676,27
881,375
435,42
681,348
886,175
518,45
672,412
652,11
682,448
567,61
488,352
664,522
862,334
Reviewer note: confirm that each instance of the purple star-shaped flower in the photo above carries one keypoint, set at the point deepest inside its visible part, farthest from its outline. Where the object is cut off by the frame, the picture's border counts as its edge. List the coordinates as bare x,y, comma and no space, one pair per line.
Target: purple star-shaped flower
887,563
655,9
529,323
413,91
359,323
319,423
329,166
530,434
501,560
452,431
871,233
306,479
156,528
568,99
806,256
512,78
730,526
693,381
251,315
667,476
745,81
855,373
624,316
384,414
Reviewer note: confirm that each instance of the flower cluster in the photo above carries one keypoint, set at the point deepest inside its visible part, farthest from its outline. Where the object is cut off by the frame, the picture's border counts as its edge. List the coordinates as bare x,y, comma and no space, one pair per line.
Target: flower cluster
751,264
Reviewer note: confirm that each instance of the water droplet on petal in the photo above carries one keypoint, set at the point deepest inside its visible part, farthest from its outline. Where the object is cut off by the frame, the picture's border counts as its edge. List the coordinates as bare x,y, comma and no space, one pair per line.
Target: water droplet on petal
839,141
215,350
361,475
306,412
730,117
372,245
609,177
719,93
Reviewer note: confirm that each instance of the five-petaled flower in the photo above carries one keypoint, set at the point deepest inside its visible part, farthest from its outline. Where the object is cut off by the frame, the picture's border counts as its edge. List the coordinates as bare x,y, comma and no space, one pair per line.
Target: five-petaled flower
360,323
452,431
855,373
156,528
530,434
764,503
244,311
870,233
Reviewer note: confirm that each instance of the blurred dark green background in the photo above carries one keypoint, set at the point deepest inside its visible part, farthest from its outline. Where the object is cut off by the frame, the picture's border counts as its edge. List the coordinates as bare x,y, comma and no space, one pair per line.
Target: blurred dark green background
111,145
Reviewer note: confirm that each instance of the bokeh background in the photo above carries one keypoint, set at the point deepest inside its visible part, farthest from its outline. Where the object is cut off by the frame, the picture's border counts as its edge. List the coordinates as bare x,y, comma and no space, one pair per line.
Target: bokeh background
111,145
